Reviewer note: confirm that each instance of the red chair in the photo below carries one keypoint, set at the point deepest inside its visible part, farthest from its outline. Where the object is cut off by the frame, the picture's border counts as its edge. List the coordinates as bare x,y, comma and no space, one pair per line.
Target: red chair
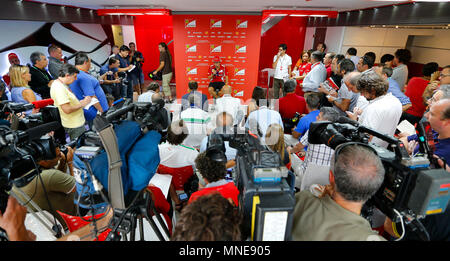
179,175
74,223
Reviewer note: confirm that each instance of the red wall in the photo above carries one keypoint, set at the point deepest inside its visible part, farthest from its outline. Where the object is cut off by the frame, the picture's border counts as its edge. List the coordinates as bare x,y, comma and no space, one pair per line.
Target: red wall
291,31
150,30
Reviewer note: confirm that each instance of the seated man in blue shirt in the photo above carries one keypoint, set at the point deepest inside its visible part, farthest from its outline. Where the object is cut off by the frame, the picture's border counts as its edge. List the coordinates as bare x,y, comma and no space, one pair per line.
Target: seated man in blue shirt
201,100
394,88
87,85
312,106
109,78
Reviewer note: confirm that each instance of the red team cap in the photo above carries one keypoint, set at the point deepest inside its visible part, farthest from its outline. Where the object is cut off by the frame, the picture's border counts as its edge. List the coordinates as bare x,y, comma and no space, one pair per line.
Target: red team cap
12,56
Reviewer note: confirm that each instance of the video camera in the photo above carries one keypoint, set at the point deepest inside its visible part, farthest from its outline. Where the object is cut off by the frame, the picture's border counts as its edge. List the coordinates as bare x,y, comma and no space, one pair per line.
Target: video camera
266,195
47,113
19,153
411,188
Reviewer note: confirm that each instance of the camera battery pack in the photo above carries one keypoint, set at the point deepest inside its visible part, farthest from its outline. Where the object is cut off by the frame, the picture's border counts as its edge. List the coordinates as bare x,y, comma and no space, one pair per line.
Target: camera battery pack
431,193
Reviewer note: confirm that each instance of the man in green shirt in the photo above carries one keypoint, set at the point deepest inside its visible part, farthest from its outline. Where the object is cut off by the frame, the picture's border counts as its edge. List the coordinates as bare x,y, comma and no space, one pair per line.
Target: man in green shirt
356,173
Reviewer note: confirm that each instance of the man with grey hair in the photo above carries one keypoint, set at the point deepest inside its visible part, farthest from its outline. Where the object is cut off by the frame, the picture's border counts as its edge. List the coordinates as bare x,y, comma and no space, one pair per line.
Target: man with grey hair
314,168
358,102
224,123
394,88
40,78
384,110
356,173
317,75
290,104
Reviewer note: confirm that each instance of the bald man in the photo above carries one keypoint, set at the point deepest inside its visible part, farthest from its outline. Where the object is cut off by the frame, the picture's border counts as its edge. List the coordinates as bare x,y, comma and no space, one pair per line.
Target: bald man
229,104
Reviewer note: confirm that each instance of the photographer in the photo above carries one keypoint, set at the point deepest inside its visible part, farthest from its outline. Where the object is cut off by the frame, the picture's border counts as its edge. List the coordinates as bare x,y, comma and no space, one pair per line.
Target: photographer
110,78
213,174
356,174
54,189
124,67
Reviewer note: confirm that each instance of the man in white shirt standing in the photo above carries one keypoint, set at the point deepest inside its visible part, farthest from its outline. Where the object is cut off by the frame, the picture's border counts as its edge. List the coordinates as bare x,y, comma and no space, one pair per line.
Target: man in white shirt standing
351,54
282,65
229,104
317,75
384,110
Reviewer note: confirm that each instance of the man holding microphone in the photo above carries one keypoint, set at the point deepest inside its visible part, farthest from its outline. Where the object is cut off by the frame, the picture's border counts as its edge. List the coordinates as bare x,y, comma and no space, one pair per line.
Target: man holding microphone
217,74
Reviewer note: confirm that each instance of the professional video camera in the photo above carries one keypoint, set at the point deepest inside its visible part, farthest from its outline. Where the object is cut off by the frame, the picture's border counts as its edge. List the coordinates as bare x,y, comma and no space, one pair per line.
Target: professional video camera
47,113
19,153
411,189
266,195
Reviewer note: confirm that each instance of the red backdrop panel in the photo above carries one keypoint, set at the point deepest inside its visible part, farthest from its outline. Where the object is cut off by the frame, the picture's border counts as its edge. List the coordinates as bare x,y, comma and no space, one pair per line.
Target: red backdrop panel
150,30
291,31
234,38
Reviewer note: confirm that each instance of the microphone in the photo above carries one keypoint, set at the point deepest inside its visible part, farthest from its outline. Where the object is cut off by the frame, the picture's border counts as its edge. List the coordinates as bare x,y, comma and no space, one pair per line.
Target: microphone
42,103
41,130
119,112
343,119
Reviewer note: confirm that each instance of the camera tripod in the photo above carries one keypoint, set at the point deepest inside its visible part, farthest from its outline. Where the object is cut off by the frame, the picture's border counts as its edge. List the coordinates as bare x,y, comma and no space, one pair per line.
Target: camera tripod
126,220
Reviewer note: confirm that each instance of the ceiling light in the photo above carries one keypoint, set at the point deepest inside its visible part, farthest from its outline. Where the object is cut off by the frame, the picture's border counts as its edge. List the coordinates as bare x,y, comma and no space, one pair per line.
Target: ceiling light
277,14
298,15
319,15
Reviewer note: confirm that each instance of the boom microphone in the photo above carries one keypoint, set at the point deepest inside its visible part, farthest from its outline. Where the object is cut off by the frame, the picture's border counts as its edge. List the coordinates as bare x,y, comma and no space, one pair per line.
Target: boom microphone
41,130
42,103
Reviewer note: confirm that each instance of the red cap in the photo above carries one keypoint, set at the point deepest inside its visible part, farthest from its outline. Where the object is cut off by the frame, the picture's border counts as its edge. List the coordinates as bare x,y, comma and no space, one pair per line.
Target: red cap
12,56
216,59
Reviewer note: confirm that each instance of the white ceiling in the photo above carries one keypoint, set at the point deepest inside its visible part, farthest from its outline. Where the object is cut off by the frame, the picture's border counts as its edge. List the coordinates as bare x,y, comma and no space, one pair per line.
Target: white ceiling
227,5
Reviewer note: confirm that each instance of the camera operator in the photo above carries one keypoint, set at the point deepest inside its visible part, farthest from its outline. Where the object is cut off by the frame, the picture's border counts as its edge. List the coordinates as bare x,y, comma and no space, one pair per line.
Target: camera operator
110,78
384,110
213,173
356,173
224,121
315,167
209,218
54,189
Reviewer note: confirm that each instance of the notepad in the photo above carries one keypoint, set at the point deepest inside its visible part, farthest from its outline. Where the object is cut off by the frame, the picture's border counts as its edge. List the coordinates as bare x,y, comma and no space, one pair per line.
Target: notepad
406,127
162,181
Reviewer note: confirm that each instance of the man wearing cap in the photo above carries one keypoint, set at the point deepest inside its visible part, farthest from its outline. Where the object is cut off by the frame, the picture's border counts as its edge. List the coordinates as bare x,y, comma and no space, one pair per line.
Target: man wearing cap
13,60
217,74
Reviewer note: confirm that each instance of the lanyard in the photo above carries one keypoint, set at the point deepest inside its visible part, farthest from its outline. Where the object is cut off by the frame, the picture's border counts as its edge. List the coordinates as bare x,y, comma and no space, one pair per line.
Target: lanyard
43,74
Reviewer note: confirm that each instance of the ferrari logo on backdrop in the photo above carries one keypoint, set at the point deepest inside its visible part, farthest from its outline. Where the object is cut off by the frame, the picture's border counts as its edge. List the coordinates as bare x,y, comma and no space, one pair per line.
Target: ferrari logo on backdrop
241,49
216,49
191,49
241,24
190,23
216,23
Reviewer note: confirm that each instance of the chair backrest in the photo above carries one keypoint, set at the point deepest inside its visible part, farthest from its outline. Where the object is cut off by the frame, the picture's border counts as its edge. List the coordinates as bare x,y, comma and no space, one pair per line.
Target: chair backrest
179,175
74,223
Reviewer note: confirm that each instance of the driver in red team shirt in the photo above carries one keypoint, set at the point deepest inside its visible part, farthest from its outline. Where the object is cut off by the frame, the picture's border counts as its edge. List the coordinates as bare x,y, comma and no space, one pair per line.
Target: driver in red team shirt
217,74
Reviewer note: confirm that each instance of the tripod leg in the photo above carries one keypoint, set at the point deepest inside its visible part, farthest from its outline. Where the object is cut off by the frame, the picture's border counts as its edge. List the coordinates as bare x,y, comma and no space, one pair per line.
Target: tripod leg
141,227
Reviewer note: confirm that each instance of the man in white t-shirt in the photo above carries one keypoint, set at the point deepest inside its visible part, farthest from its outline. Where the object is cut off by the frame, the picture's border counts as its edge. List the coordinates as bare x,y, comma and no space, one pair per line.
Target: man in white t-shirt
228,103
384,110
282,65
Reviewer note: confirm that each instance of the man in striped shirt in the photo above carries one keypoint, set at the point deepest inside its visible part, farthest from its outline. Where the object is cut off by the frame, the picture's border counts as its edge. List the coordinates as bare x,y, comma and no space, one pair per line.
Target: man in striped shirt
196,121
